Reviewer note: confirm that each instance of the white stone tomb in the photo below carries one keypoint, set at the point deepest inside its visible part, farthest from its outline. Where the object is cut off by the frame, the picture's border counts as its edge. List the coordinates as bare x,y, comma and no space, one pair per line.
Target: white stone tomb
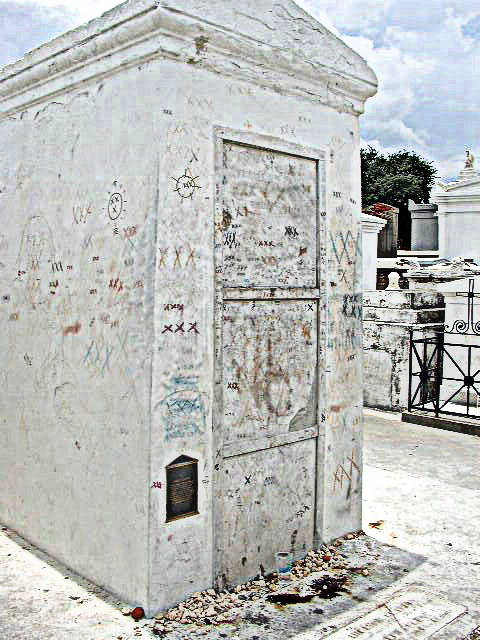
459,214
180,303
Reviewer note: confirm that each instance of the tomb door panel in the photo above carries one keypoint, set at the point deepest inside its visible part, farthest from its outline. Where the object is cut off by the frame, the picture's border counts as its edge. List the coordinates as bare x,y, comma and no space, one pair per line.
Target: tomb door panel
269,368
269,431
267,346
268,218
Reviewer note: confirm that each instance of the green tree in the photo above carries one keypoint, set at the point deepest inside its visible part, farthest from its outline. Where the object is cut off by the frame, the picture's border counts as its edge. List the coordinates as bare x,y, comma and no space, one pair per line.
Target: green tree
396,178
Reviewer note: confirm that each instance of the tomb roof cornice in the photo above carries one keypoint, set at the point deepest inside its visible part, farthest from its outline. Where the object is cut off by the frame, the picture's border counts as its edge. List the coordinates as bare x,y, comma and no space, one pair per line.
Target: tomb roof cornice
371,223
285,50
458,185
455,197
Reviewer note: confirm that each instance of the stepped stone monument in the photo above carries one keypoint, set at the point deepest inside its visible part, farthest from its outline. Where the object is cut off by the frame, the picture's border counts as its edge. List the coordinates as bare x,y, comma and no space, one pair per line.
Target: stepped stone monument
424,226
180,275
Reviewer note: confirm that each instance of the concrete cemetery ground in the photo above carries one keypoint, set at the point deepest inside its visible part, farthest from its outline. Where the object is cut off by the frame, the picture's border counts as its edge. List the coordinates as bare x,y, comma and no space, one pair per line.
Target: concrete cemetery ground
421,516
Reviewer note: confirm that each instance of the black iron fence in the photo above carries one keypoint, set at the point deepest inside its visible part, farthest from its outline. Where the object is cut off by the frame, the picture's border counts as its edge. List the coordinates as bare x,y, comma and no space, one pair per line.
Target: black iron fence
445,375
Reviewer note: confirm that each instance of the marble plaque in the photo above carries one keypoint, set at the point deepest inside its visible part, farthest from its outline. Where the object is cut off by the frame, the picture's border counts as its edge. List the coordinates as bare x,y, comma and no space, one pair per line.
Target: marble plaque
414,615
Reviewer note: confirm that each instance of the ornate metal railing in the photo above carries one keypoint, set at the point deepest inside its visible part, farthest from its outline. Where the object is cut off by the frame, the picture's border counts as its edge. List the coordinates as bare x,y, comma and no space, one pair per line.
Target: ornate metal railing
444,377
470,326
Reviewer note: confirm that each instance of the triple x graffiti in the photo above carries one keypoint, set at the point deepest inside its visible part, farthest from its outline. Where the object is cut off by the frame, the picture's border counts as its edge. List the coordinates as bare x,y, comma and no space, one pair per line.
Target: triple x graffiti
352,306
98,354
180,328
180,258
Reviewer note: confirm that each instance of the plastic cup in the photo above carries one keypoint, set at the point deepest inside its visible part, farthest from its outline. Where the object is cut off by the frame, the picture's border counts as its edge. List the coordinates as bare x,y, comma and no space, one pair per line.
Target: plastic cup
284,565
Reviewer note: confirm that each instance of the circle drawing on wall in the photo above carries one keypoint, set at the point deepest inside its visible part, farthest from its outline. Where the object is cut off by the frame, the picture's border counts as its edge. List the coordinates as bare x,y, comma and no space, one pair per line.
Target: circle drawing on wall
186,184
115,205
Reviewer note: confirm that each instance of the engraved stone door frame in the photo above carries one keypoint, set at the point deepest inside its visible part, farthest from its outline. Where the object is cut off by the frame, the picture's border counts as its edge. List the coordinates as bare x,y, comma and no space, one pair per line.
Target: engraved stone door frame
318,293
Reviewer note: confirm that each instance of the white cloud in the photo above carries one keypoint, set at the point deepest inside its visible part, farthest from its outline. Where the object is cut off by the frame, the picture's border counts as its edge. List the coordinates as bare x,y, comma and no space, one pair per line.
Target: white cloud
26,24
81,11
425,55
398,132
348,15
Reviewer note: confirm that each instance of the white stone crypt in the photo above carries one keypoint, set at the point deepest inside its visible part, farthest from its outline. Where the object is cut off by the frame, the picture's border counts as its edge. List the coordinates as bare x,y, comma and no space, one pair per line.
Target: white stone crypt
180,293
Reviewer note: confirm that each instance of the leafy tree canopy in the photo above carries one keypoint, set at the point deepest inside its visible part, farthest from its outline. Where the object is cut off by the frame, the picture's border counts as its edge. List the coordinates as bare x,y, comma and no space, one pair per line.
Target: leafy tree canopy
396,178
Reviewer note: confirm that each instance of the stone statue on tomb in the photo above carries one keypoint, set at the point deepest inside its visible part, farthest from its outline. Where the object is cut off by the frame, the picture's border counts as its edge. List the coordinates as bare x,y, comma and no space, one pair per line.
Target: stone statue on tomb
470,159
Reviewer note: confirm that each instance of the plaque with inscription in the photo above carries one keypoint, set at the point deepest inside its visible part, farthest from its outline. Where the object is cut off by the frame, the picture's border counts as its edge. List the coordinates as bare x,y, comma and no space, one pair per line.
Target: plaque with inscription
413,614
182,488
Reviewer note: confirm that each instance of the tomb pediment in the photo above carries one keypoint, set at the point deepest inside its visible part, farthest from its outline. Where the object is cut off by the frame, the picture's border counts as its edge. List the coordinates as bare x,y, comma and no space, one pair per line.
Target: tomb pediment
273,44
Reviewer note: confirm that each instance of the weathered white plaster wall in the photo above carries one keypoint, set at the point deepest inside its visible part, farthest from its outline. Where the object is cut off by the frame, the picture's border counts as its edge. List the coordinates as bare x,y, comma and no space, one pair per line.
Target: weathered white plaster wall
187,225
76,317
100,369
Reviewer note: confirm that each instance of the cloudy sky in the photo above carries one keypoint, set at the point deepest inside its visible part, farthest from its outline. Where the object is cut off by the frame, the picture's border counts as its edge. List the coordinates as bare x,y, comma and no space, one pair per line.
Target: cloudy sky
425,53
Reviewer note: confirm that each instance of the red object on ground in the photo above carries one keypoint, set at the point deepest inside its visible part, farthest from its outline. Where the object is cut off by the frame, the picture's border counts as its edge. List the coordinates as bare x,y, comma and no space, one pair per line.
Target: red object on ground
138,613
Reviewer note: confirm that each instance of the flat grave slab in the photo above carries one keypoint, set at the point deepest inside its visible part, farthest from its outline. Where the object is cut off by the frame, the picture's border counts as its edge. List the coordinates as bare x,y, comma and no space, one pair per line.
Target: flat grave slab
414,614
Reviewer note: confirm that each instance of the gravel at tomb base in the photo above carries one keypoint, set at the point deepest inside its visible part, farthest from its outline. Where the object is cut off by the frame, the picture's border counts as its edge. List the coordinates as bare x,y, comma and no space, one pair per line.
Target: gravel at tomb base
207,609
